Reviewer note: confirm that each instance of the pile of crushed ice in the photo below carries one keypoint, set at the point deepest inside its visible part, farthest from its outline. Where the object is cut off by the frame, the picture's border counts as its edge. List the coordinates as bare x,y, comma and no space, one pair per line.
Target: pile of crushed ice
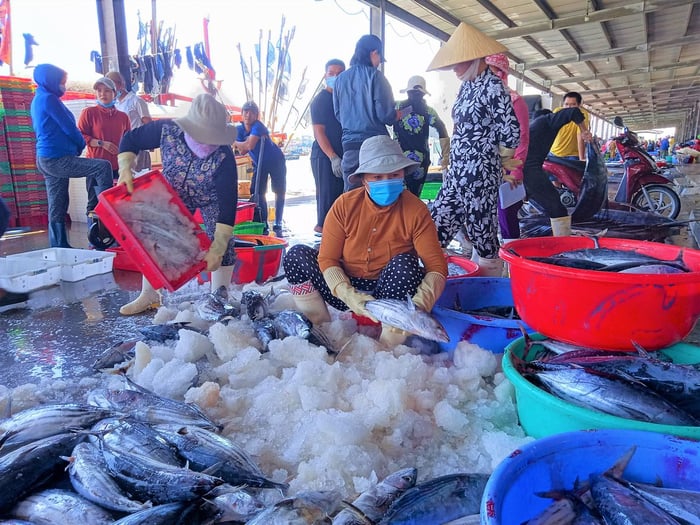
321,422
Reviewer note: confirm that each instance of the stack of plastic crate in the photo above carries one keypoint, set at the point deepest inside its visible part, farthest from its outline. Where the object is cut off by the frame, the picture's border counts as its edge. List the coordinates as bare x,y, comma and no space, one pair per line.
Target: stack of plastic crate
7,190
28,184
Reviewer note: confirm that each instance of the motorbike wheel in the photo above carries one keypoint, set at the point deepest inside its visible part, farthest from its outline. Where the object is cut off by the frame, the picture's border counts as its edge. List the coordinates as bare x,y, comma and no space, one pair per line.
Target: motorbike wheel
662,200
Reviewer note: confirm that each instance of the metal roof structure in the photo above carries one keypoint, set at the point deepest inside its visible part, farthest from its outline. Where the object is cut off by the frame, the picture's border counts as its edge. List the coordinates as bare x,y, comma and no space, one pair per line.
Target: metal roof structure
639,59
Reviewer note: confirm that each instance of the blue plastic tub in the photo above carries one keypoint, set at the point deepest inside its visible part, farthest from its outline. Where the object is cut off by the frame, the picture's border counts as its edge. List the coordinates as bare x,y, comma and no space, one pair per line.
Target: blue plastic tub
474,293
558,461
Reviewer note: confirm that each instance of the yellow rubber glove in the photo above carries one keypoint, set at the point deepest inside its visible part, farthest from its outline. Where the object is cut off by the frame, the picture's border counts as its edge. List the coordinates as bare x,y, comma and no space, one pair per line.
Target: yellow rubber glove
445,148
507,160
127,161
222,236
429,291
341,287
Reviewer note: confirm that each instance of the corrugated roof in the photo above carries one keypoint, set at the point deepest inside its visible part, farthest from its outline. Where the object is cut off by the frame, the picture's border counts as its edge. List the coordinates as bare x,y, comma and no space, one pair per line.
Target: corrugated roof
636,59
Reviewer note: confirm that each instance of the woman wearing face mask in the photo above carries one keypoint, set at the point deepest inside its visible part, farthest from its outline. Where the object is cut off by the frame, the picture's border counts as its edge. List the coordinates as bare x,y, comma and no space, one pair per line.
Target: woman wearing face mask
59,144
102,126
486,133
199,164
374,240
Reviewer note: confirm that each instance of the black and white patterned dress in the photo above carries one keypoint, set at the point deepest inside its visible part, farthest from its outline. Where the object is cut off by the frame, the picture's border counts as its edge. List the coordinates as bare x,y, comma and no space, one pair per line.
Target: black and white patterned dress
483,119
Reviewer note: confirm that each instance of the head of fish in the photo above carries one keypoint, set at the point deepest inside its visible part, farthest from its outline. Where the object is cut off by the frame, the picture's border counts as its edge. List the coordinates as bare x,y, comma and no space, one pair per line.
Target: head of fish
291,322
255,304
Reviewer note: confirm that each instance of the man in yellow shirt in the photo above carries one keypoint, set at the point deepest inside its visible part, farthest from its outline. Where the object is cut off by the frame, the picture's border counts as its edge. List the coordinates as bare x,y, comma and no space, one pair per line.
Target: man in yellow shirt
569,143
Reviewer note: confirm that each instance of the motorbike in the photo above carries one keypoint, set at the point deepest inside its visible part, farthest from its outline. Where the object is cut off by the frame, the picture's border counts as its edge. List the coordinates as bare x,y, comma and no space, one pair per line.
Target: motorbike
642,187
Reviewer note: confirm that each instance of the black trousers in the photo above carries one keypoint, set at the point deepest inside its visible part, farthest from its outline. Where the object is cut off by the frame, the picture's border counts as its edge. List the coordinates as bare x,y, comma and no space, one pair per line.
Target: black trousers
328,186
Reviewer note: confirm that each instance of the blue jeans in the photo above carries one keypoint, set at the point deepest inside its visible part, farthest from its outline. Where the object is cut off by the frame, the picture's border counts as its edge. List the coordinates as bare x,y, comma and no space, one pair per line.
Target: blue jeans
56,173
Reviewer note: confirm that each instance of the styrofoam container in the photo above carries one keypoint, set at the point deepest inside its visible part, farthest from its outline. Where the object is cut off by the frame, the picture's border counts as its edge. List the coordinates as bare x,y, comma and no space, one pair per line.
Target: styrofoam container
75,264
543,414
24,275
558,462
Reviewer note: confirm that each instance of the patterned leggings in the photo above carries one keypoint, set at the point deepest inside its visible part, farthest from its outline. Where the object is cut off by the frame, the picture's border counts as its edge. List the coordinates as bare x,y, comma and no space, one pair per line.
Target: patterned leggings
398,280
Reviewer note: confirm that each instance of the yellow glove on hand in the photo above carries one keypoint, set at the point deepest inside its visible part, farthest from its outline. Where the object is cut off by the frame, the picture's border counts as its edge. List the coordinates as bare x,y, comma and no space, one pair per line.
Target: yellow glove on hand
445,148
355,300
507,160
429,291
126,160
222,236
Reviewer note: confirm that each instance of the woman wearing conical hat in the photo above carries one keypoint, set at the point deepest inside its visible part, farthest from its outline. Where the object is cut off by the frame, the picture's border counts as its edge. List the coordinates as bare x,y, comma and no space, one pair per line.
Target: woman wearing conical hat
486,133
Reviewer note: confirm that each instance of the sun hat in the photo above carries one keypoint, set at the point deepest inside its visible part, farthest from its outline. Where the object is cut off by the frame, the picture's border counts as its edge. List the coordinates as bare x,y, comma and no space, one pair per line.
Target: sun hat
107,82
207,122
466,43
380,154
416,83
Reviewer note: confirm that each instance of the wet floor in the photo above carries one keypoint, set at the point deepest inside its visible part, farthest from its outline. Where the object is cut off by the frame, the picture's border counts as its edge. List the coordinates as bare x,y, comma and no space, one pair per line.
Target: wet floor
66,327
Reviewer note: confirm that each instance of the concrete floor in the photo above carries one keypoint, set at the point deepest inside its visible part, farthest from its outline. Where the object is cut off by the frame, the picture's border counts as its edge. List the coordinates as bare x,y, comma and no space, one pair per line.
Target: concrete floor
66,326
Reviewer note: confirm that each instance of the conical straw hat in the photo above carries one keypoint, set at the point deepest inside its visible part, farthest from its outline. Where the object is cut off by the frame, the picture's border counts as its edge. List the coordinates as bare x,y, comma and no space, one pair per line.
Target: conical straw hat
466,43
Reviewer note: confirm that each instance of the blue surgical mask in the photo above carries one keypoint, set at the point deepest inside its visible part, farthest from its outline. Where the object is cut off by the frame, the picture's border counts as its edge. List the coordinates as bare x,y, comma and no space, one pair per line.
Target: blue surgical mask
110,105
385,192
330,82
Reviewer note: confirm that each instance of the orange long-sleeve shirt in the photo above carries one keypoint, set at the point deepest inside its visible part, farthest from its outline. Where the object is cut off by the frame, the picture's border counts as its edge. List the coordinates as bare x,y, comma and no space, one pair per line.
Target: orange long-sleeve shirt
361,237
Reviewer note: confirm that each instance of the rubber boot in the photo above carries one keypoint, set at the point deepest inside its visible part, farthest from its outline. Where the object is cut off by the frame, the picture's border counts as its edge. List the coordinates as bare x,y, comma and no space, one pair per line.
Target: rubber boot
490,267
391,336
148,299
313,306
561,226
221,277
58,236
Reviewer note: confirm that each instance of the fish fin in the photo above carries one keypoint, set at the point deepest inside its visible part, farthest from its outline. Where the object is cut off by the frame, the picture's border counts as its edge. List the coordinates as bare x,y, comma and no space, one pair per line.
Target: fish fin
642,351
361,516
620,465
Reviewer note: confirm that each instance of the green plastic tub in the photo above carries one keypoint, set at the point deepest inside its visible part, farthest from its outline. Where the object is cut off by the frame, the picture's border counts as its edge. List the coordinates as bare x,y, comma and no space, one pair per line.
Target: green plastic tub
542,414
248,228
430,190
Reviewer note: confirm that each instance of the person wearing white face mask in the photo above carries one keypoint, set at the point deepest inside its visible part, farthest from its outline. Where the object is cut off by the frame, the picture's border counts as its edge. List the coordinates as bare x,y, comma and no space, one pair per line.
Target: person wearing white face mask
486,133
374,240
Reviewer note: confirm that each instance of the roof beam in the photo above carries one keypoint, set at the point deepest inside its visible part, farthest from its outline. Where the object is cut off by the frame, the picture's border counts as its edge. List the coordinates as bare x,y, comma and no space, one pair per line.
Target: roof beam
625,73
644,47
594,17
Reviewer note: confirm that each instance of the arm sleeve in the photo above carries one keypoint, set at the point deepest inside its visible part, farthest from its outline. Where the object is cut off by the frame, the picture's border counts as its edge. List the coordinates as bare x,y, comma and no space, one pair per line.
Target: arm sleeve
333,241
504,116
426,242
522,114
226,182
57,112
383,99
438,124
84,126
143,137
143,108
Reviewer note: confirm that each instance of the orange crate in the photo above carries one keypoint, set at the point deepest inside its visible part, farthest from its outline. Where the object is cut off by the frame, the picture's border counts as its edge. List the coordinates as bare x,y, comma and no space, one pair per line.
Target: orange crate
146,263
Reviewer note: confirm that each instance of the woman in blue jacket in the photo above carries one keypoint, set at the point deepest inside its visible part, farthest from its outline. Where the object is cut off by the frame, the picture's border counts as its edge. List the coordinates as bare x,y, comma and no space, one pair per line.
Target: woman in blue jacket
59,144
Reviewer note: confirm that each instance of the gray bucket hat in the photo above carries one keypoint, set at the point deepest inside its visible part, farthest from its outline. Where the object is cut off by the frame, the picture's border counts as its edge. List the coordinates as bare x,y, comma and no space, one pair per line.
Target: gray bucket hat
107,82
207,122
380,154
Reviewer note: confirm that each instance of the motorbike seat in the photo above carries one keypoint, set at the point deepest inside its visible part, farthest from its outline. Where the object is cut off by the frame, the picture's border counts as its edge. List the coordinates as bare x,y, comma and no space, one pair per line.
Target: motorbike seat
579,165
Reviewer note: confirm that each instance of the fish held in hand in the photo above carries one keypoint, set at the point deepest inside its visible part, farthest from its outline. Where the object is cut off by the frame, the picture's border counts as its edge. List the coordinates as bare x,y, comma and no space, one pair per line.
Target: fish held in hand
406,316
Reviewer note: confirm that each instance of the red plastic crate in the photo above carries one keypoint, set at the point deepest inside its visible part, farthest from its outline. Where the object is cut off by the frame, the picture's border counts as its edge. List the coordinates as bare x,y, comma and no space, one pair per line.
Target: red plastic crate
123,260
258,263
130,243
244,213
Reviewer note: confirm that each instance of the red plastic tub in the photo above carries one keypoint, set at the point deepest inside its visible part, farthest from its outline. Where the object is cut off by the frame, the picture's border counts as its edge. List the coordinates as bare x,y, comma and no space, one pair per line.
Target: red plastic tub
258,263
604,310
146,264
244,213
471,269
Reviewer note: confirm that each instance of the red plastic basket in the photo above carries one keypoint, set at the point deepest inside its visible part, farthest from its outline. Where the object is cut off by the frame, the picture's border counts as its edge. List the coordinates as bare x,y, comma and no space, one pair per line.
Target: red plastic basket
244,213
123,260
144,260
260,262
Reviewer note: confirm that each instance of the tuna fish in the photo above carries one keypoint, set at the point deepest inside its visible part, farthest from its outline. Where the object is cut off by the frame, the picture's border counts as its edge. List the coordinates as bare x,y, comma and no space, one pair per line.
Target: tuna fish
166,332
60,507
438,500
166,514
216,306
120,352
255,305
306,508
374,502
233,504
405,315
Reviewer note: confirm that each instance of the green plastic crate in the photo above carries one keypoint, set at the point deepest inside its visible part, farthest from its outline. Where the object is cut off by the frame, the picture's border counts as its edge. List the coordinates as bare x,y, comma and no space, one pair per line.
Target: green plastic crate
430,190
249,228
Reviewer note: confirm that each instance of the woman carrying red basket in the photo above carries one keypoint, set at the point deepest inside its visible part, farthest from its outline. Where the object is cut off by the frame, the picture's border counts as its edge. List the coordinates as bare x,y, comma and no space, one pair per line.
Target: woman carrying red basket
200,165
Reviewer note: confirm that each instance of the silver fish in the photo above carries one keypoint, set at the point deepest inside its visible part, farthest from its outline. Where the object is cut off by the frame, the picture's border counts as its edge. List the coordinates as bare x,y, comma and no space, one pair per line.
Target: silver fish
233,504
25,468
60,507
156,481
166,332
405,315
90,478
137,437
611,395
306,508
291,323
374,502
166,514
216,306
146,406
48,420
679,503
621,505
438,500
217,455
255,304
120,352
265,331
654,268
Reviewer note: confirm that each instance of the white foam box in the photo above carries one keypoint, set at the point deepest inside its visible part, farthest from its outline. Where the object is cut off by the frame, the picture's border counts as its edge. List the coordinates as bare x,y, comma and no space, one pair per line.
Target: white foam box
75,264
24,275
